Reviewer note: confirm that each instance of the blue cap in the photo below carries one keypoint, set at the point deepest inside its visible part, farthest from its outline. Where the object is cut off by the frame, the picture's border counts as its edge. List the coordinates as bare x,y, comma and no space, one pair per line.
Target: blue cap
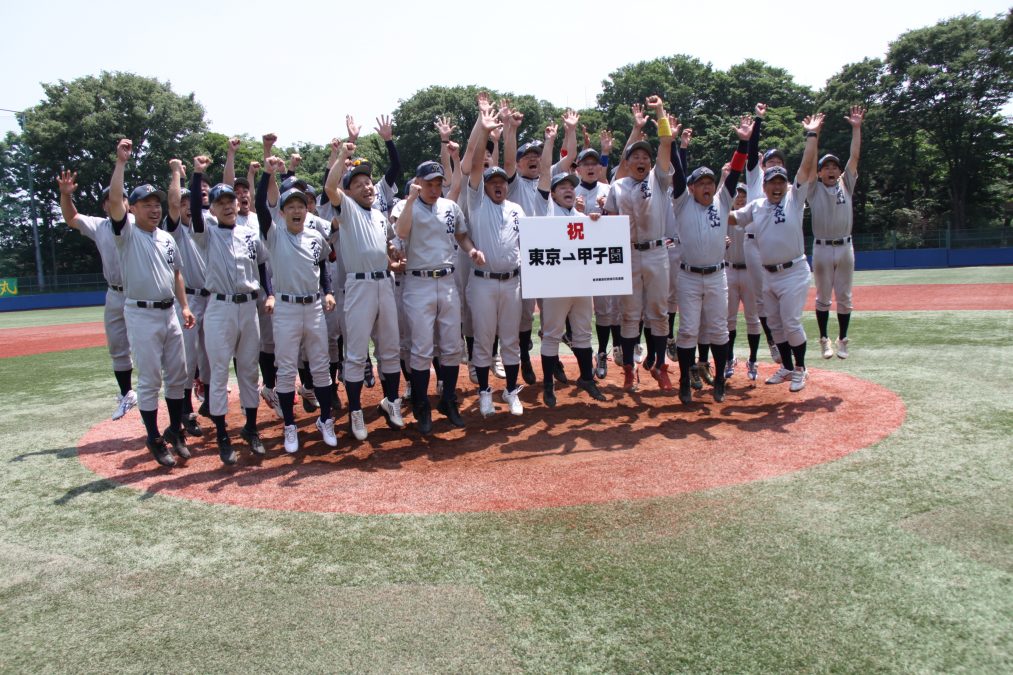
772,153
588,152
429,171
494,171
219,191
828,158
639,145
774,172
292,193
700,174
143,192
533,146
241,181
293,182
564,178
359,166
310,192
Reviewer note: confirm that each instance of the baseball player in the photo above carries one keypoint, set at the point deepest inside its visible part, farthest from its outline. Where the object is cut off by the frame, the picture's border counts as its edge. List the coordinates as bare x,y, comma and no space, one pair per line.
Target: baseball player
302,293
235,255
490,237
426,225
365,249
100,231
776,222
740,291
150,263
832,205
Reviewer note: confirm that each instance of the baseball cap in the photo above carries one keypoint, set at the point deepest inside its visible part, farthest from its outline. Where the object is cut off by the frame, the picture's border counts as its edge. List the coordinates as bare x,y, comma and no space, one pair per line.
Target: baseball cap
293,182
639,145
143,192
494,171
774,172
771,154
291,193
219,191
741,187
429,170
699,174
533,146
828,158
184,193
310,191
564,177
588,152
359,166
241,181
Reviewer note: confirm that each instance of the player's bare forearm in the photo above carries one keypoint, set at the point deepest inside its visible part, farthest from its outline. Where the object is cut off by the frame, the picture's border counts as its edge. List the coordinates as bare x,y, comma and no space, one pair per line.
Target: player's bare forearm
116,210
856,150
174,192
69,211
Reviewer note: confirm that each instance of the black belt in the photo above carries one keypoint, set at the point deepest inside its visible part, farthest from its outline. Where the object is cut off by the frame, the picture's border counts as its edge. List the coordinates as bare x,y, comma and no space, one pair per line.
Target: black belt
702,270
371,275
834,242
499,276
118,289
238,297
648,245
778,268
202,292
154,304
750,235
300,299
738,266
433,274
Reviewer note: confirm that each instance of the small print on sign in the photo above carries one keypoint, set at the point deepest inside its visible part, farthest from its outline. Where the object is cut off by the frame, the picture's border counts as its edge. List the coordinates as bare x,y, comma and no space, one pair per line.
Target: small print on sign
564,257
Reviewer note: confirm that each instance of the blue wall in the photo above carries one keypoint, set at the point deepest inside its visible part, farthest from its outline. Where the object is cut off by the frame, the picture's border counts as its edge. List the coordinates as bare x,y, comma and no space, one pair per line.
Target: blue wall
52,300
932,257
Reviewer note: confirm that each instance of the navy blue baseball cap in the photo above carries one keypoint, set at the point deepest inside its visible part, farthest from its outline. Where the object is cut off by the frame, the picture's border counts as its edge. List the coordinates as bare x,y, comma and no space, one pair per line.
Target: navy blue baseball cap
184,193
771,154
429,171
588,152
773,173
359,166
242,181
290,194
639,145
533,146
494,171
699,174
828,158
219,191
310,192
564,178
143,192
293,182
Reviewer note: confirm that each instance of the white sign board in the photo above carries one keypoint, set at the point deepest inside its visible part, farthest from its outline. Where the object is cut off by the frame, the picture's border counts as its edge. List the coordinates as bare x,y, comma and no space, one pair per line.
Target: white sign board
564,257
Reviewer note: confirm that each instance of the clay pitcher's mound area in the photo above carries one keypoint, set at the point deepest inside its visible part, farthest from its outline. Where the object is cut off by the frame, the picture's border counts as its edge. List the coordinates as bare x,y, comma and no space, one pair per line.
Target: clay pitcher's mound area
632,447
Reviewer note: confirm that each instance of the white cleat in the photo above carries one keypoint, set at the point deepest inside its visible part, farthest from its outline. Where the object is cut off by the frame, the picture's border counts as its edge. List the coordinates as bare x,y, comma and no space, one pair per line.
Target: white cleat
775,354
358,424
292,438
485,406
391,410
617,355
673,350
842,348
326,430
751,370
472,373
826,349
782,375
270,397
124,402
514,401
798,378
497,367
638,354
309,399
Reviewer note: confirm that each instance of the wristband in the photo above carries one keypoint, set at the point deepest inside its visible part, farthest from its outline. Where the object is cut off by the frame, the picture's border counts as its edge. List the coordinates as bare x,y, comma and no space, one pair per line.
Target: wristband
811,134
445,142
664,128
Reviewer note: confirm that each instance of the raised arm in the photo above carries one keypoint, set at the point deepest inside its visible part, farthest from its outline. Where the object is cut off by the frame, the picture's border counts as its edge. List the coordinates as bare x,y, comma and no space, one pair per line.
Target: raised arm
386,131
116,210
855,119
663,164
229,175
174,193
268,186
812,124
445,129
545,162
569,153
511,123
457,178
404,221
67,182
486,122
200,165
753,150
275,165
744,131
334,193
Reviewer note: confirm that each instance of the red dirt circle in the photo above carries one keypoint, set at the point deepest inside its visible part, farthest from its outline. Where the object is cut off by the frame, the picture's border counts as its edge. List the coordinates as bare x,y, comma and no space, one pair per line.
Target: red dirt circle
635,446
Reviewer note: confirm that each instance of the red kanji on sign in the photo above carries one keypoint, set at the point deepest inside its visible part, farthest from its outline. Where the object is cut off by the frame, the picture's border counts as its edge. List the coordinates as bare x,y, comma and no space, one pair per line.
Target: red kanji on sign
575,230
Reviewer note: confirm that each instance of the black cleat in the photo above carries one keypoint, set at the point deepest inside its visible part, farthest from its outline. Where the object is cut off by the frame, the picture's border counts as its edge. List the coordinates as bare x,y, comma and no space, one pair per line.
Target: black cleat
424,419
527,372
253,439
685,394
161,453
719,389
592,389
559,374
191,426
549,396
649,361
174,439
449,409
226,451
204,410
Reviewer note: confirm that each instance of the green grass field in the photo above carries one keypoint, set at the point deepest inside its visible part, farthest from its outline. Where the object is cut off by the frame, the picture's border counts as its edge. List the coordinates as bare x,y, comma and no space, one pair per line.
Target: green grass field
897,558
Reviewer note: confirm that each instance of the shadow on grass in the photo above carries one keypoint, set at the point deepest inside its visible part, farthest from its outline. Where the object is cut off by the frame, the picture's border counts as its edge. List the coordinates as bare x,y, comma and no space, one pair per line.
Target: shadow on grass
59,453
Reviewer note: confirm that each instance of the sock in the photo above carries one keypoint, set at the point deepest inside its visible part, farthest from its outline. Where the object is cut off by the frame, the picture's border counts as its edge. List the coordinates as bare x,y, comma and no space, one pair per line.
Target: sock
786,360
150,418
628,344
404,369
525,345
766,330
568,334
720,359
687,356
470,344
483,376
449,376
353,390
436,368
731,345
754,345
188,401
287,400
268,371
420,388
511,376
333,370
220,430
304,377
799,354
548,368
123,380
843,320
324,401
660,342
583,355
391,385
175,407
603,338
251,419
822,319
495,345
671,324
649,344
705,352
617,335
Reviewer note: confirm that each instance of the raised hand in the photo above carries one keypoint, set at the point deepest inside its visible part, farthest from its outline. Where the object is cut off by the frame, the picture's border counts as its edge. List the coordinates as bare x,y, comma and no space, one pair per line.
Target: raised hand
550,133
254,167
348,148
856,117
639,118
813,123
201,164
687,136
176,166
269,141
495,134
67,180
444,127
587,136
483,101
761,109
384,127
655,103
233,145
570,119
489,120
352,127
123,150
605,137
335,144
673,124
745,128
454,148
275,165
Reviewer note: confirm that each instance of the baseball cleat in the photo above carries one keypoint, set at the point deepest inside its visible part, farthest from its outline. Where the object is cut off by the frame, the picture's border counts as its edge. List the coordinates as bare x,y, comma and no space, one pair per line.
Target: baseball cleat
497,367
703,369
391,411
485,406
449,410
631,379
292,438
326,429
592,389
694,378
358,425
782,375
527,372
638,354
199,390
601,365
270,397
842,348
751,370
617,355
549,396
161,453
309,399
730,367
367,376
124,402
252,438
191,426
174,439
673,352
225,450
826,349
424,419
775,355
798,378
719,390
649,361
439,388
685,393
472,373
559,374
406,400
660,374
204,410
513,399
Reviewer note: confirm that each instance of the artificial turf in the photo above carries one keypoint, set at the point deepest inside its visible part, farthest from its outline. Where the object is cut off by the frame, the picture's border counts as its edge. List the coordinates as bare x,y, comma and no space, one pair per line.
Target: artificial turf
897,558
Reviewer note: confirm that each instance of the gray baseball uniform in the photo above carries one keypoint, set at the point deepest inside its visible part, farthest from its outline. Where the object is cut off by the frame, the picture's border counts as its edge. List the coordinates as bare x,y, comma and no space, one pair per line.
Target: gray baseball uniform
193,269
100,231
833,253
